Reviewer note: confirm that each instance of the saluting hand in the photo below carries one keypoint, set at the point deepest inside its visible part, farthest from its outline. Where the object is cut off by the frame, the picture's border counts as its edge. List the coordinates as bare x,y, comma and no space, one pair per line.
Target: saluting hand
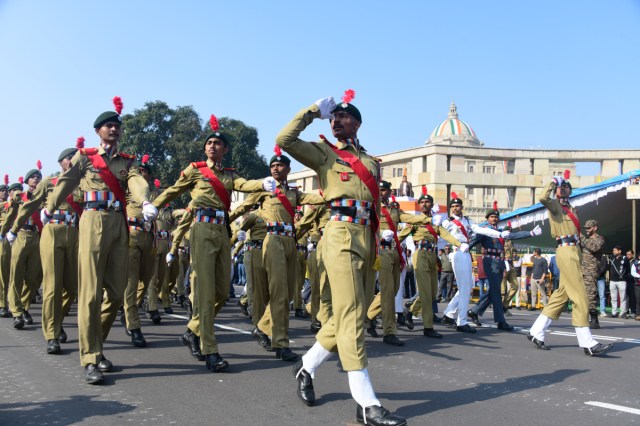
326,105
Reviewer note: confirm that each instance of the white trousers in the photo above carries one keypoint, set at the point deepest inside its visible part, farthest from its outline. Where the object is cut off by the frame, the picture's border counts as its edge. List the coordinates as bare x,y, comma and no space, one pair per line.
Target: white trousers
463,271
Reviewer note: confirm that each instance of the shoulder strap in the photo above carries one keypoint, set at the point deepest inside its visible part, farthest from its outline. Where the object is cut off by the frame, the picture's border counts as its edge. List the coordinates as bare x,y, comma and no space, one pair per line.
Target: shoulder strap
285,202
432,231
109,179
463,229
572,216
217,185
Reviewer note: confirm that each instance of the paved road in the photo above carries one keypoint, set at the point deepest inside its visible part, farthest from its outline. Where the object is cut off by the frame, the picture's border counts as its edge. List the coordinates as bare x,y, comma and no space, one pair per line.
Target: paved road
490,378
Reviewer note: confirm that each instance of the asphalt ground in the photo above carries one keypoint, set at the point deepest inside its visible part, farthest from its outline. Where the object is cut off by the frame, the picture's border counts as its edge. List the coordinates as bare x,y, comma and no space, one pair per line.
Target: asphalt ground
488,378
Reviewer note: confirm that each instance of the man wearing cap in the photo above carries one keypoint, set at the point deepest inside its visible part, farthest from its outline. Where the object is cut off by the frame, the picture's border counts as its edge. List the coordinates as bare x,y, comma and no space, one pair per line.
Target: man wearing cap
463,229
565,228
390,264
103,175
210,186
5,252
592,247
349,179
26,268
58,252
494,266
9,212
510,284
279,254
425,237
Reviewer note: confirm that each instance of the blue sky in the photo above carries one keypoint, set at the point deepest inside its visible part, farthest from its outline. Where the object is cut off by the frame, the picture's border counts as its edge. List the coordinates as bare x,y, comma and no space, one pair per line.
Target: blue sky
524,74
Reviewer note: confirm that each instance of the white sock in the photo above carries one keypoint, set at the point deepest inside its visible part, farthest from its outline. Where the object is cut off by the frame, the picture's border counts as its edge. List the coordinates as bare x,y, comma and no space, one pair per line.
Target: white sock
361,388
314,358
585,339
540,326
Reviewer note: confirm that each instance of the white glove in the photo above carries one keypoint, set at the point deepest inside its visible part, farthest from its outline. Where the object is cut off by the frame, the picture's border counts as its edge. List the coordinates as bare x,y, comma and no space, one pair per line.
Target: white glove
170,258
505,234
464,247
387,235
326,105
310,247
558,180
536,231
149,211
269,184
242,235
45,216
436,220
11,237
435,209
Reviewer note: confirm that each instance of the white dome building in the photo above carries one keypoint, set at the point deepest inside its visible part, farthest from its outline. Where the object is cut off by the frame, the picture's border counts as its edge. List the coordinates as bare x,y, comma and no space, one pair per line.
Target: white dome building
454,131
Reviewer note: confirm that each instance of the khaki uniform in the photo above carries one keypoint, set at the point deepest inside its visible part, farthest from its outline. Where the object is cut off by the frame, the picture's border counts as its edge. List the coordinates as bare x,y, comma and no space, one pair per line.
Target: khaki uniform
159,285
591,255
510,285
389,273
58,255
210,242
5,255
569,259
349,246
181,247
426,266
102,245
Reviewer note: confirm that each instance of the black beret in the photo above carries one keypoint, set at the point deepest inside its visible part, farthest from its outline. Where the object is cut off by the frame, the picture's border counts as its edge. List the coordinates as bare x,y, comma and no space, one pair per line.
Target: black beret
4,187
428,197
30,173
384,184
67,152
217,135
349,109
15,186
106,117
455,201
492,212
281,159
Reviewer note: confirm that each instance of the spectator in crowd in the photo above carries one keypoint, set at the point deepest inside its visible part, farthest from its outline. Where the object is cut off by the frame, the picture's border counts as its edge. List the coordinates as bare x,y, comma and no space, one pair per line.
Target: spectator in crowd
483,281
603,268
538,279
618,272
445,288
409,278
406,189
631,294
635,273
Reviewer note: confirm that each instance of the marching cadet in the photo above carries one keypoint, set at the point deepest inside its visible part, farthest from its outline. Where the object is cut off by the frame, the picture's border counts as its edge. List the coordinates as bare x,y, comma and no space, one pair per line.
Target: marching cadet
565,228
391,264
494,266
210,186
26,268
279,255
58,251
301,266
349,179
425,236
5,251
510,285
180,249
104,175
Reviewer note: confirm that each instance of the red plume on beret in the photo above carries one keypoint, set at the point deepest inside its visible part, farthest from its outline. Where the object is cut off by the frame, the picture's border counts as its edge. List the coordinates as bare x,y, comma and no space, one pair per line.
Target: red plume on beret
213,122
495,205
145,159
393,198
567,174
39,164
509,224
80,142
117,103
277,150
349,95
424,189
6,179
157,183
20,180
454,195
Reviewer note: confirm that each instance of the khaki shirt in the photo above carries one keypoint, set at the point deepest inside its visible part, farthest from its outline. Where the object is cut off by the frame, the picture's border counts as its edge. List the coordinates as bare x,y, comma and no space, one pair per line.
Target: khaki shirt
255,225
561,223
11,212
421,233
313,221
180,236
398,216
83,174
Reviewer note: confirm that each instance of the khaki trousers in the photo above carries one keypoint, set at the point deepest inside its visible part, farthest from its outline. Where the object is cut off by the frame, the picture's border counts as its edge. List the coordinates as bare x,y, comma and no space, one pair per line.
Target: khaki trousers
258,292
314,281
426,271
140,270
102,278
509,292
385,301
5,268
26,271
159,282
59,256
301,272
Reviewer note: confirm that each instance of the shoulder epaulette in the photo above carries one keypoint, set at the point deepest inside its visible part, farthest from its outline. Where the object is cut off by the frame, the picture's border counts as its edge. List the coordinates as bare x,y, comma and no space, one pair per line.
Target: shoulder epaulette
88,151
198,164
127,156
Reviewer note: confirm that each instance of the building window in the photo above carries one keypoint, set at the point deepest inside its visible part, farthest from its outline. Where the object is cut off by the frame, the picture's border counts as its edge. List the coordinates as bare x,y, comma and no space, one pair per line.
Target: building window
382,171
470,191
314,183
511,166
397,172
489,193
471,166
489,169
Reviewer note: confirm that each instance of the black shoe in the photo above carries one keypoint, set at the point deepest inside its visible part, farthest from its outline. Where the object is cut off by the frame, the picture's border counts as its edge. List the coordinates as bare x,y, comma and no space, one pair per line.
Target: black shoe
93,375
286,354
371,328
593,320
168,310
436,319
409,319
623,316
305,384
315,326
138,339
430,332
18,322
216,363
191,341
465,328
154,316
474,317
105,365
378,416
408,304
504,326
53,347
531,309
262,339
244,308
401,319
507,312
598,349
539,344
300,313
27,318
123,321
448,321
5,313
392,339
63,336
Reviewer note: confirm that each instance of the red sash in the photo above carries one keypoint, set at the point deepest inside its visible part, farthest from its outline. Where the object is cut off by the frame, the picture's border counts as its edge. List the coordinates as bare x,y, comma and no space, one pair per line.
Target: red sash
108,178
35,216
217,185
572,216
392,227
365,176
285,202
75,206
432,232
462,228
